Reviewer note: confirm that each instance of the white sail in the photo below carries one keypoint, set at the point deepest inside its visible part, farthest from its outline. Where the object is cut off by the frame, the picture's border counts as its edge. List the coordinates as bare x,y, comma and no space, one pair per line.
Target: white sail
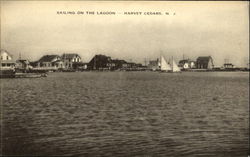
164,65
175,68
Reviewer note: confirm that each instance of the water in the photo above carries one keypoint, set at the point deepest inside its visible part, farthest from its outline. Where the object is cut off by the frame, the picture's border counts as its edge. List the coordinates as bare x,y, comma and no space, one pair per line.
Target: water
127,114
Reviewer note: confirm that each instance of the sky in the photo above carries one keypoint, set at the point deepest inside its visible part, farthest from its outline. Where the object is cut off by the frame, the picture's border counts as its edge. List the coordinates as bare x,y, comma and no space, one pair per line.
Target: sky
192,29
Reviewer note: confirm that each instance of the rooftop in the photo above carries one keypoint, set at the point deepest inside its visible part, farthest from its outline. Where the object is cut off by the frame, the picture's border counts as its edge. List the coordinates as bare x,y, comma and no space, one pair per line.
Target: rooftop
69,55
204,58
2,50
48,58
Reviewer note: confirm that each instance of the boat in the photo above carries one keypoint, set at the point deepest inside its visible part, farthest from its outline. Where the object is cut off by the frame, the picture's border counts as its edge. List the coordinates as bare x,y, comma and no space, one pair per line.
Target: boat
175,67
30,75
7,73
167,67
13,74
164,65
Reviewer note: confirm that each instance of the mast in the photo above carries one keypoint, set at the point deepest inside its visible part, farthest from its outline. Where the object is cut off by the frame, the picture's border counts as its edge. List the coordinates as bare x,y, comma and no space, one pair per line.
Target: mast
94,62
145,61
64,60
160,61
172,63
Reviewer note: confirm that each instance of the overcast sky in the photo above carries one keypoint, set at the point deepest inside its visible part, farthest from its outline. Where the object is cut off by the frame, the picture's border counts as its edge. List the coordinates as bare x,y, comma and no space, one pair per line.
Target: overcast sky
219,29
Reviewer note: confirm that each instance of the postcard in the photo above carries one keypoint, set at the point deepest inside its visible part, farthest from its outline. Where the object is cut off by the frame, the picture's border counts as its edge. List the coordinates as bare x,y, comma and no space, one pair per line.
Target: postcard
124,78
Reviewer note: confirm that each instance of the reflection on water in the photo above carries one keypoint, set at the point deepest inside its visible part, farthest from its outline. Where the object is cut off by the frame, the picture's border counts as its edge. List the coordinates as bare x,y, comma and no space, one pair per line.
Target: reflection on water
127,114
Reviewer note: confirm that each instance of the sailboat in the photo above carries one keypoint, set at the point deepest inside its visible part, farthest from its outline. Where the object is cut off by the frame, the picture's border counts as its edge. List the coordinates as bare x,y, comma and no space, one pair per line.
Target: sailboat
167,67
164,66
175,67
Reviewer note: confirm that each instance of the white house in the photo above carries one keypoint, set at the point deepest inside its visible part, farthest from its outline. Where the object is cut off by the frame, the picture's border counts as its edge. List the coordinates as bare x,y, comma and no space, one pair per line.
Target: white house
71,60
7,61
49,62
186,64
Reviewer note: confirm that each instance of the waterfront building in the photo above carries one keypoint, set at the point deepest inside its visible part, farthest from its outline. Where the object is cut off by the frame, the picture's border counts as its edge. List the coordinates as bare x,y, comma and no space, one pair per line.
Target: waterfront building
154,65
101,62
136,66
49,62
186,64
228,66
80,66
119,64
7,61
204,62
71,60
125,65
132,65
111,65
23,64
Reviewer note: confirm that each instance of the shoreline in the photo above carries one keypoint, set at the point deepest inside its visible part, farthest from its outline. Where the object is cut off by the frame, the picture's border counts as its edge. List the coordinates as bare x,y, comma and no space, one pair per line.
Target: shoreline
42,73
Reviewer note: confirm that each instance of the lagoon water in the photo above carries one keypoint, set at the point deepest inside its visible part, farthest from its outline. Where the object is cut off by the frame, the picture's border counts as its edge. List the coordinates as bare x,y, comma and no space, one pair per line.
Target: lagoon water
121,114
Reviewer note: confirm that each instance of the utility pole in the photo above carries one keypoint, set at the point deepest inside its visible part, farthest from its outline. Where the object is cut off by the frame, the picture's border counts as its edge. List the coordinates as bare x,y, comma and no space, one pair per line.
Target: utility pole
19,56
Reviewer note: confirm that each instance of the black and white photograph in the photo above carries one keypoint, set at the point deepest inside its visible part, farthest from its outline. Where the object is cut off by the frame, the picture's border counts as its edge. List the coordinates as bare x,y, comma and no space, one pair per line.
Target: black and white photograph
124,78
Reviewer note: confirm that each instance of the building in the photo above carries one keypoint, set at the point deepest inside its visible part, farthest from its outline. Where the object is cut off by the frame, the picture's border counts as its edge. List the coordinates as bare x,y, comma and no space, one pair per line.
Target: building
81,66
228,66
136,66
23,65
154,65
101,62
118,64
111,65
7,61
49,62
126,66
204,62
71,60
186,64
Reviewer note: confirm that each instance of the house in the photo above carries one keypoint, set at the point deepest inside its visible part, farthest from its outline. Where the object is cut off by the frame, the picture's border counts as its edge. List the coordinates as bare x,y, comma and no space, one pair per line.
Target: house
6,61
186,64
125,65
81,66
23,64
132,65
139,65
154,65
228,66
204,62
34,64
49,62
111,65
71,60
118,64
101,62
